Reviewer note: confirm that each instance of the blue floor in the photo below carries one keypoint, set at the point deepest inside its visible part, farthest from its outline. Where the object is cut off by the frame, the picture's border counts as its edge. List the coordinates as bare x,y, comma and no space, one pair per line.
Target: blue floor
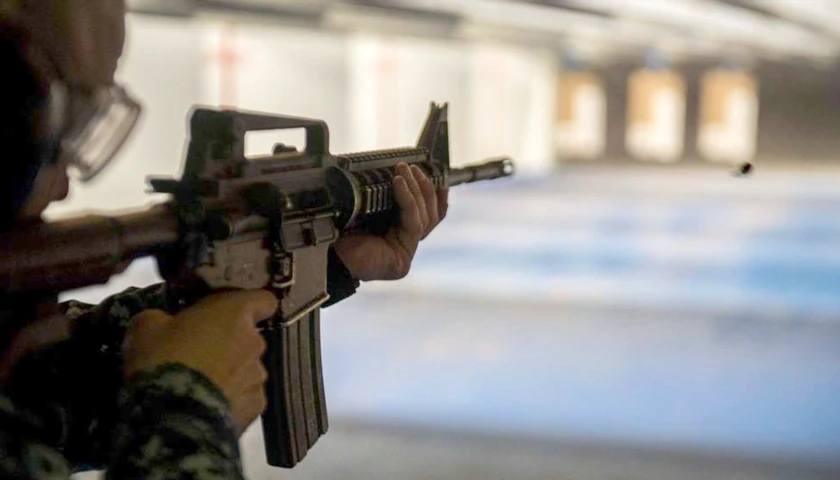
735,387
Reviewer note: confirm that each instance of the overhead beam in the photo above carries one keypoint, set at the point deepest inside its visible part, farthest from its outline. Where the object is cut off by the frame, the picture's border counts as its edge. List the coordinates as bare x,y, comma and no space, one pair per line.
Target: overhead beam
178,8
769,37
821,15
682,28
370,16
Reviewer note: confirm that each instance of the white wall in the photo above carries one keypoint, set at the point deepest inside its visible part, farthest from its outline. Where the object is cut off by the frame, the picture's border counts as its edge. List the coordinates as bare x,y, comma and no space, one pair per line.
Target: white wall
512,107
392,83
284,71
501,98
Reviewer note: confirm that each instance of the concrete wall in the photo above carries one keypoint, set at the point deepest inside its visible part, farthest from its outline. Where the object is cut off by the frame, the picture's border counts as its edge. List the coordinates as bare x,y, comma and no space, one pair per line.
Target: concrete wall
800,114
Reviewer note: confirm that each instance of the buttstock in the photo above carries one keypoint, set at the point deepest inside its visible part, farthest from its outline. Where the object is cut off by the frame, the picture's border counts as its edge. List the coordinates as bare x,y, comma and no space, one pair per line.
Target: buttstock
81,252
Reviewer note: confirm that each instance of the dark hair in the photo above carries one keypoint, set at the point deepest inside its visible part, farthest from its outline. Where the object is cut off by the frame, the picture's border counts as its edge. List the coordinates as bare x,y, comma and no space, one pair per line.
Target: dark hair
22,95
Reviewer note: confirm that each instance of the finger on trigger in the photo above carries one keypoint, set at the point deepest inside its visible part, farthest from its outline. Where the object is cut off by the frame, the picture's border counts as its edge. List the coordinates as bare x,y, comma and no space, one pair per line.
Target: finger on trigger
409,210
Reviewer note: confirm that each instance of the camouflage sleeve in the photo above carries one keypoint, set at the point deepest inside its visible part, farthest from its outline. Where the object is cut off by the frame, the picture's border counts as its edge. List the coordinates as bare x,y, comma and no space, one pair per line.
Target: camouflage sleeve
24,453
92,363
109,319
175,424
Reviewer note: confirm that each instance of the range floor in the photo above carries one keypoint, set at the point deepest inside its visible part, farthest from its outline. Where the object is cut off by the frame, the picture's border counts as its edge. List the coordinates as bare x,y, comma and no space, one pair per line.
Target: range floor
727,386
353,451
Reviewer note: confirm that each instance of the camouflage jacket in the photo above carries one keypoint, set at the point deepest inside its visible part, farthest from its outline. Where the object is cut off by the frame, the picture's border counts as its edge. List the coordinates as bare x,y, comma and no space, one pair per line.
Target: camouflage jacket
67,409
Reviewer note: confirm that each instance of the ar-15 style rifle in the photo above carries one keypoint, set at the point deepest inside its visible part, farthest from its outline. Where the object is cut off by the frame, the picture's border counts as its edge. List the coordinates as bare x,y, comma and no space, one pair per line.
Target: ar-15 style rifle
247,223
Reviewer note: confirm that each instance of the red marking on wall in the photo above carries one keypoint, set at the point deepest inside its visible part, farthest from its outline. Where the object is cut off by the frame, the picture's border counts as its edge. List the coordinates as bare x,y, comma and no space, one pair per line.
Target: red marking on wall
229,59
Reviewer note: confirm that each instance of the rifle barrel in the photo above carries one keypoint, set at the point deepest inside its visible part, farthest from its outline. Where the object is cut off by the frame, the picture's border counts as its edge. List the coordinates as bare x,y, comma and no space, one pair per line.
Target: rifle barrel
490,170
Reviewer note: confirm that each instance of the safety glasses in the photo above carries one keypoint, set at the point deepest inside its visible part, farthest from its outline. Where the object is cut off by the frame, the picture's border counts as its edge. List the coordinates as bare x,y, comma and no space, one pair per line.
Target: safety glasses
92,126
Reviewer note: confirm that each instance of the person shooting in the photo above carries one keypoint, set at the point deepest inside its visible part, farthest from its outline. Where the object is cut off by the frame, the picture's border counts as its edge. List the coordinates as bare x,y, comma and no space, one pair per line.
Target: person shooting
126,385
